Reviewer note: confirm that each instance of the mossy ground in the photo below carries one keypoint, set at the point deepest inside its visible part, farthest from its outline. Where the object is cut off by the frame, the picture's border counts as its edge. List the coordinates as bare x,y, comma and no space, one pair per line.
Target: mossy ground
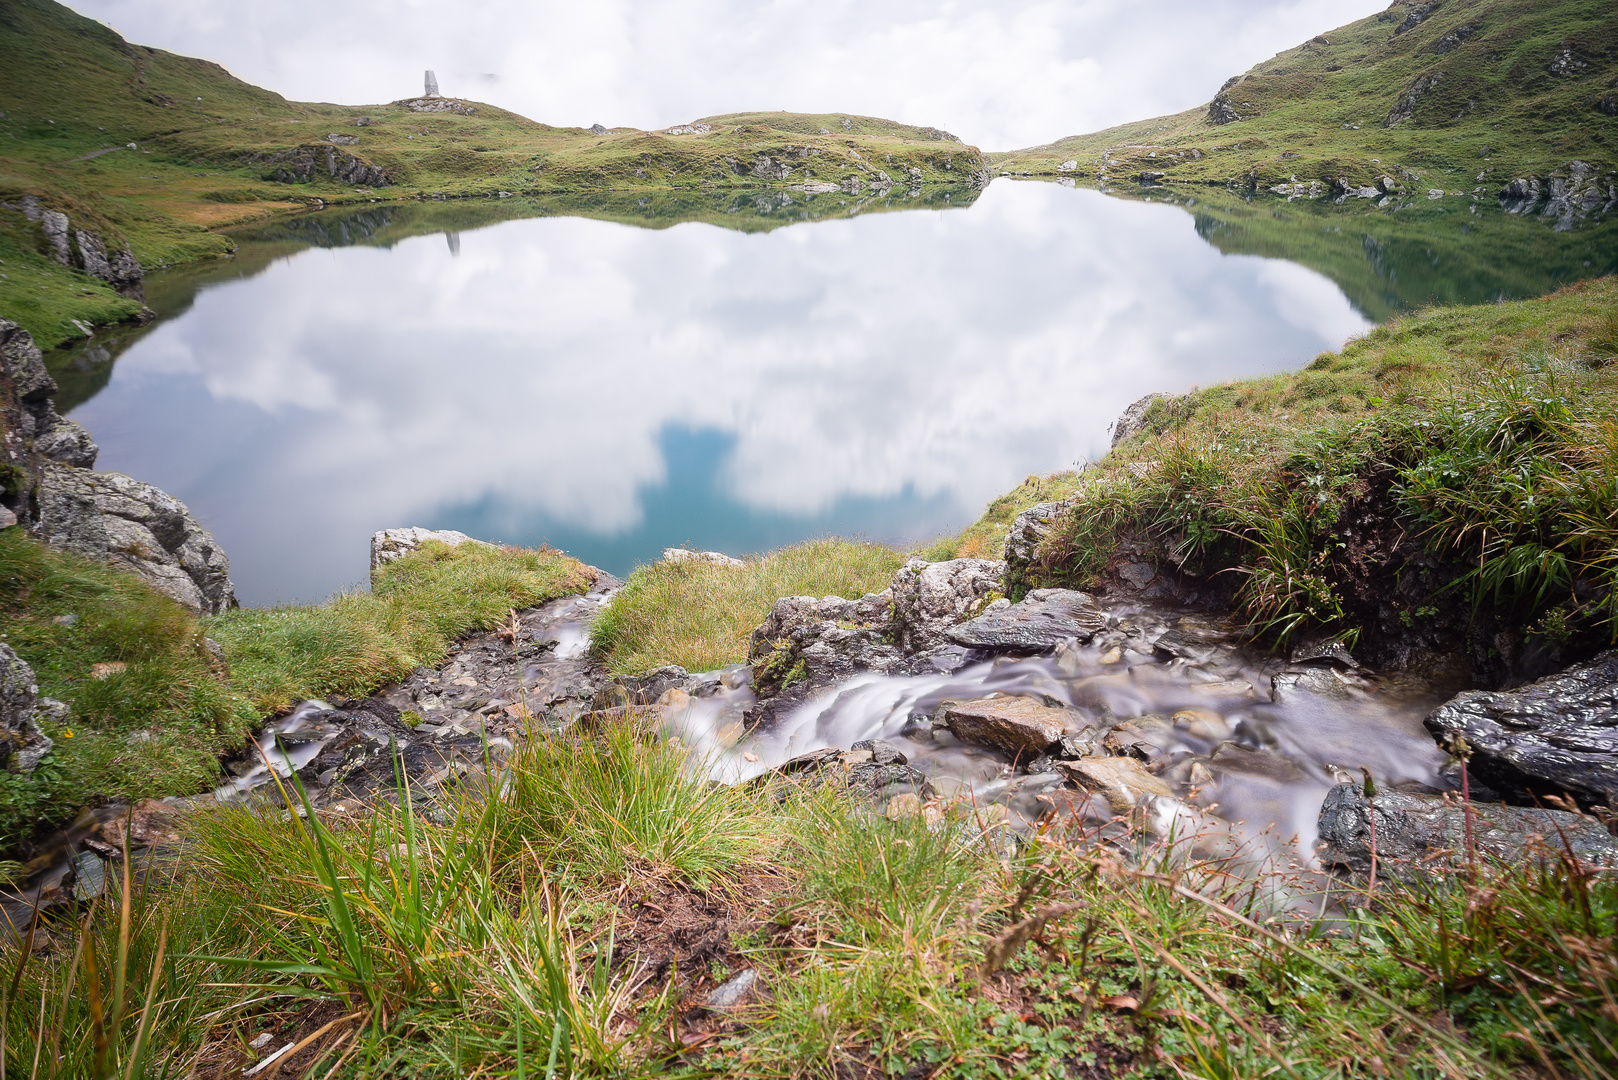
1319,111
152,713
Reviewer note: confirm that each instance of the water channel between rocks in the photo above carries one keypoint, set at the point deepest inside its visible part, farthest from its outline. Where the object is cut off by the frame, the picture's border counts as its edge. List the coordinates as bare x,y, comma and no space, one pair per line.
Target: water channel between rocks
1245,742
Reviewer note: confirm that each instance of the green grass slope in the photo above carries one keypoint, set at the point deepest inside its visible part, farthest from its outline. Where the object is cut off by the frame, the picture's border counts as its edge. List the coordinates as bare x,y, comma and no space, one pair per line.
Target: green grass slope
1448,95
211,151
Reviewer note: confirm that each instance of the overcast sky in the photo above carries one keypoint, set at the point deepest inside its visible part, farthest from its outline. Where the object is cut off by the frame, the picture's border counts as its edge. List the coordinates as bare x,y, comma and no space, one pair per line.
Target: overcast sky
1001,74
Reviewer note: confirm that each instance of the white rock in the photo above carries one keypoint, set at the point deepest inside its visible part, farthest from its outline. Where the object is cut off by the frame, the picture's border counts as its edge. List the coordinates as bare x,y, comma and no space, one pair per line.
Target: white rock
390,544
683,555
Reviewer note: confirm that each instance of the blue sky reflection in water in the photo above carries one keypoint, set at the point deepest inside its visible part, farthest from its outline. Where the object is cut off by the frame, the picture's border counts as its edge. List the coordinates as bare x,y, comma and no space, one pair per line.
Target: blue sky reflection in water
615,389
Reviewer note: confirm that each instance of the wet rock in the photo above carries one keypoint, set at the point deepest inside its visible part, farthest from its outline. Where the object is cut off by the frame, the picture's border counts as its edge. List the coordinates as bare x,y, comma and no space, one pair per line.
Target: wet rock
1555,736
1133,419
683,555
148,823
1233,757
22,743
929,598
880,776
1039,623
1019,726
1076,744
1130,739
882,752
1415,833
1289,687
1122,781
117,519
391,544
1325,650
1202,724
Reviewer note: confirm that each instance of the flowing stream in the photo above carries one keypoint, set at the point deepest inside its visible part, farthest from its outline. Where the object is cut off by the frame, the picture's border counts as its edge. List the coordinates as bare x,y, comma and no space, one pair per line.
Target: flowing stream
1249,745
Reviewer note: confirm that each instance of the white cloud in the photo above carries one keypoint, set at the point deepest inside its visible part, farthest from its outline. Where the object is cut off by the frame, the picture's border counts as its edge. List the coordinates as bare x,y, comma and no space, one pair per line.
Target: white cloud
1001,75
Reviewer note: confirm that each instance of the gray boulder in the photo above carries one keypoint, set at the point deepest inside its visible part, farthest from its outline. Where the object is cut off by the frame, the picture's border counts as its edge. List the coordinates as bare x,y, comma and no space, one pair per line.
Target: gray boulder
929,598
1133,418
1416,832
67,442
120,520
1557,735
24,365
22,743
1028,529
55,225
818,641
1042,621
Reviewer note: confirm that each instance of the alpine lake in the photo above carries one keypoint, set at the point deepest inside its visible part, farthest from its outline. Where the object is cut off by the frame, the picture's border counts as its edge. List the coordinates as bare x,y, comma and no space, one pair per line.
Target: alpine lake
616,373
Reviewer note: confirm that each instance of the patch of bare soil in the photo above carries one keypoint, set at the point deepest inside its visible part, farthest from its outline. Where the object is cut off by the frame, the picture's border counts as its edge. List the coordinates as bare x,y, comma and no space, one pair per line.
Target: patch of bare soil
670,932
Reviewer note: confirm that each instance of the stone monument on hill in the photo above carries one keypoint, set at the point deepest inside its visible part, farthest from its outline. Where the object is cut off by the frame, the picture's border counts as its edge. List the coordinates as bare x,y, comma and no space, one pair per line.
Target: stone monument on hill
432,85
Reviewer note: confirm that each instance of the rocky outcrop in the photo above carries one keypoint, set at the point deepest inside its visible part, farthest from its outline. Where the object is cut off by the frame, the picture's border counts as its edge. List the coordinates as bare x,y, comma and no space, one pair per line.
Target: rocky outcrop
1039,623
817,641
435,104
22,743
1406,105
1569,196
123,521
929,598
48,487
1222,111
86,250
300,164
1133,418
1028,529
32,432
390,544
1555,736
1416,834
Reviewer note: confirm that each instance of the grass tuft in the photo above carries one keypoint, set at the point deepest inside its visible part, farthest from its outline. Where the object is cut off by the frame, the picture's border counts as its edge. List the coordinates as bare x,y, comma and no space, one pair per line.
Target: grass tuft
699,614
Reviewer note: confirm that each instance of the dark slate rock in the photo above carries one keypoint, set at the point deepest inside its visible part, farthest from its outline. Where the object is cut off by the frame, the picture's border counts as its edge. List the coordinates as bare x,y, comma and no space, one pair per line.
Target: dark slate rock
1042,621
1415,833
1557,735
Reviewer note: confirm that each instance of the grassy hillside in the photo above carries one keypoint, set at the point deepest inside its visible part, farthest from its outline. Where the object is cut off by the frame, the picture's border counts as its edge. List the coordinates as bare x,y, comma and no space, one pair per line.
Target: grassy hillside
1455,95
211,151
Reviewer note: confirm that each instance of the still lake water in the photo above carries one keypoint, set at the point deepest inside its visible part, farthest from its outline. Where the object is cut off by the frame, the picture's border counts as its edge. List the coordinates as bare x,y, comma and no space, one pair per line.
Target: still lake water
613,389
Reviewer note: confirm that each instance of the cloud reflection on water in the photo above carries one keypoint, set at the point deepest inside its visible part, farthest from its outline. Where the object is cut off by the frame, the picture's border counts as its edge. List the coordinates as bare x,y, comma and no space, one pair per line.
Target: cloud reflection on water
852,369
